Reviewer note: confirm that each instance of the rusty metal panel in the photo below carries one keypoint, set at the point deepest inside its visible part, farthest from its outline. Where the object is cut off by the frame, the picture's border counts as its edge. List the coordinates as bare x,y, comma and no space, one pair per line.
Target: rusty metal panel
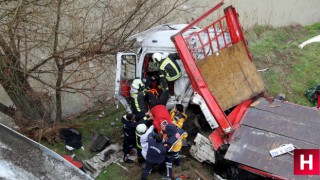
251,146
249,153
289,110
267,126
299,129
230,76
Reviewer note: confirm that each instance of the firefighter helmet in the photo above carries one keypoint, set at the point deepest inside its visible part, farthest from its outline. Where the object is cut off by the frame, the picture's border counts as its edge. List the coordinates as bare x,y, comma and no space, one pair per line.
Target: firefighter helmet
141,129
156,57
137,84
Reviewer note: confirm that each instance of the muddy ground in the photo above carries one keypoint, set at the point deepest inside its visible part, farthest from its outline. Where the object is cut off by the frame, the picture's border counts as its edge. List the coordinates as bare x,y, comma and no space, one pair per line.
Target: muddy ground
190,167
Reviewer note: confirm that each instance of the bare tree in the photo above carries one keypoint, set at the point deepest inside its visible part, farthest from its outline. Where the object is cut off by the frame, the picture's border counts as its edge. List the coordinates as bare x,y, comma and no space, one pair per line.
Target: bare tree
59,47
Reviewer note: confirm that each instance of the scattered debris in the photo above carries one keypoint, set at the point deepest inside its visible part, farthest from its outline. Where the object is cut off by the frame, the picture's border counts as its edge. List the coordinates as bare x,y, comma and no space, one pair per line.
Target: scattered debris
72,161
203,152
217,177
124,168
103,159
284,148
102,114
254,103
313,95
262,70
40,130
200,175
181,177
99,142
281,97
311,40
274,106
72,138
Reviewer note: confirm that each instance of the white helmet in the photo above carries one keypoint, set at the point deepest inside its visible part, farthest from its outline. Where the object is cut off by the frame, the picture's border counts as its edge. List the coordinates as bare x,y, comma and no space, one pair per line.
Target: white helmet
141,129
137,83
156,57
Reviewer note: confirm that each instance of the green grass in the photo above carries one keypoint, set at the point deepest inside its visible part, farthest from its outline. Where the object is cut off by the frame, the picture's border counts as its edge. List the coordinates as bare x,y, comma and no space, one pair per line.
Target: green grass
291,70
113,172
90,125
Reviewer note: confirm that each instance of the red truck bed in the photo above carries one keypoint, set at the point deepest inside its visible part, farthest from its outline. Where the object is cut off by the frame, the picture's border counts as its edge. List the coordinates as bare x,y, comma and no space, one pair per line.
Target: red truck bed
267,126
221,70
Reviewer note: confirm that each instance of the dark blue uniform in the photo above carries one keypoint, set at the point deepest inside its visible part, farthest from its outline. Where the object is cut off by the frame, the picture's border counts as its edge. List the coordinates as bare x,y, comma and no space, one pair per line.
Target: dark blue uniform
129,142
171,142
155,155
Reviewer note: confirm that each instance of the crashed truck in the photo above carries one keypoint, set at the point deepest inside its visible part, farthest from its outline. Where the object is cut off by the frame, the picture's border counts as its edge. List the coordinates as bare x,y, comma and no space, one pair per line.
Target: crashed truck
249,132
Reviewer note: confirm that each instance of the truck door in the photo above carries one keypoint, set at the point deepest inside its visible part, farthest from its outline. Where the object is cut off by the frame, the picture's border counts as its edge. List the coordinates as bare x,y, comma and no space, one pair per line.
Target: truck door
125,74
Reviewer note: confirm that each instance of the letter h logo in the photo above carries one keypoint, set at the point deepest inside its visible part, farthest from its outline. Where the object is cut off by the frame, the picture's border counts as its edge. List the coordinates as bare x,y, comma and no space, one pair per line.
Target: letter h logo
306,162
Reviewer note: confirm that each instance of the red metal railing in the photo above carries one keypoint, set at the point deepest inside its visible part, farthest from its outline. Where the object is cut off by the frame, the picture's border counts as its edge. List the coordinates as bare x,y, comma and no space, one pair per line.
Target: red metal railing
209,40
187,55
220,34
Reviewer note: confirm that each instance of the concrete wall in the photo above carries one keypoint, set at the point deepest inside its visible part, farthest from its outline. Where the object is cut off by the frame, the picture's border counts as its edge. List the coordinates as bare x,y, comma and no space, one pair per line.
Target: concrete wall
277,12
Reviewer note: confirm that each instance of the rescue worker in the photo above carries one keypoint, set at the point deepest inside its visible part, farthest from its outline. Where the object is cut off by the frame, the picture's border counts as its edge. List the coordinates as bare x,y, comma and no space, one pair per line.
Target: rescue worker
140,130
168,67
144,141
173,142
177,115
155,155
129,127
138,104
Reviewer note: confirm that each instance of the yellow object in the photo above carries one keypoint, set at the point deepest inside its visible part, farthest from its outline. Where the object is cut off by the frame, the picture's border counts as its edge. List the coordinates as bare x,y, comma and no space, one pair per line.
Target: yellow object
176,147
163,65
178,120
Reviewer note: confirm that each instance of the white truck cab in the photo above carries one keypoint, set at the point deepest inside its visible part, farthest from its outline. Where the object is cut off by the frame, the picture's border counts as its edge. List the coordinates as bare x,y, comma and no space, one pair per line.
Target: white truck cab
131,65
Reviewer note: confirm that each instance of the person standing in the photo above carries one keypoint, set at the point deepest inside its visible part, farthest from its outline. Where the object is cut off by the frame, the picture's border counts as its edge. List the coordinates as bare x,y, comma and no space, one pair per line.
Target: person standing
144,141
168,66
173,142
155,154
129,127
140,130
138,100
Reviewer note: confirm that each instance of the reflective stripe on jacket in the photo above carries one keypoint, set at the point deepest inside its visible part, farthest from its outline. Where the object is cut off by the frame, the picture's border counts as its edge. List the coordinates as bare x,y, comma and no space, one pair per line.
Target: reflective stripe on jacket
178,120
138,103
174,138
176,147
171,69
138,142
